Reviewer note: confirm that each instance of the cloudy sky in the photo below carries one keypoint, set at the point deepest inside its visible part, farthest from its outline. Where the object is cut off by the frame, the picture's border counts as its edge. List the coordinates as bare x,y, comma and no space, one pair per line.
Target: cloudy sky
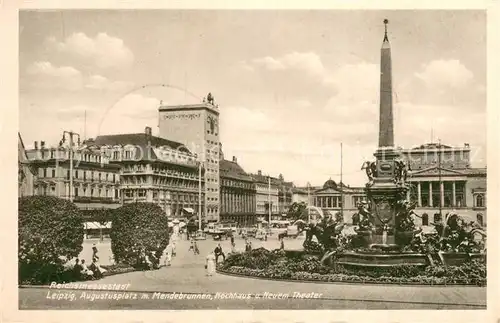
291,85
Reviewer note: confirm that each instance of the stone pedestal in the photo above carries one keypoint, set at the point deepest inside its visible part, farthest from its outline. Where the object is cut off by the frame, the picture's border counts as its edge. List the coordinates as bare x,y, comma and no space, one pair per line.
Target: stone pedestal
384,196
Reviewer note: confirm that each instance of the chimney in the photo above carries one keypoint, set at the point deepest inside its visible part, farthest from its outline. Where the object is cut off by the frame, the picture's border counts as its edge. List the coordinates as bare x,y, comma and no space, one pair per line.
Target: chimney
148,131
36,145
234,159
259,172
42,144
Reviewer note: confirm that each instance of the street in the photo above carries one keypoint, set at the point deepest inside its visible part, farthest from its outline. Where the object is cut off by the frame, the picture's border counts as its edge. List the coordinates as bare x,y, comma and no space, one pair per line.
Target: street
187,275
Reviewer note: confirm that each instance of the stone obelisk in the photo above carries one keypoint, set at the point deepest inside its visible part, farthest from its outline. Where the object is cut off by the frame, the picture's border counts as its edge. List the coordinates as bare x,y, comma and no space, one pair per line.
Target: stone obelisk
385,193
386,124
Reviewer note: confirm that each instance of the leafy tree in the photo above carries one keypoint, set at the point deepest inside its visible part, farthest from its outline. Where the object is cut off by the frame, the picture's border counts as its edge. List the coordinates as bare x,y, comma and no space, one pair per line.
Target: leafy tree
297,211
50,234
138,228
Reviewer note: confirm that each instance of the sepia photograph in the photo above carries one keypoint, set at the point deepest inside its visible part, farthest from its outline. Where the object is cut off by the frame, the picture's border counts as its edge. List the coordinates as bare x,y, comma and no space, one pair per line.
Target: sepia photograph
176,159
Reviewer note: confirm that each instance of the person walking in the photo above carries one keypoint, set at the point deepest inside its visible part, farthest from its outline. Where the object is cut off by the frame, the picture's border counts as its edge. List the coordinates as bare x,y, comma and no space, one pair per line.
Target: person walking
196,250
282,244
210,264
94,252
218,252
168,254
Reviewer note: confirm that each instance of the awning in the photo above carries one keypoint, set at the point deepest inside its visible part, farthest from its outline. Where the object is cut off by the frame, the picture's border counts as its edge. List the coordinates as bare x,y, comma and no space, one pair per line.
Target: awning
97,225
189,210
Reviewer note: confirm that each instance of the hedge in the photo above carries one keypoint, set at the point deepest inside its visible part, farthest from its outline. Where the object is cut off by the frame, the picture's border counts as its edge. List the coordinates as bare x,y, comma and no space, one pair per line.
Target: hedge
50,234
138,228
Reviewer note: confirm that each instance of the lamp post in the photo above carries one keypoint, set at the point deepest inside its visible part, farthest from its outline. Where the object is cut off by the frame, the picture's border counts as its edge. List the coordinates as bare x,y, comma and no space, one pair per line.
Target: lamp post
200,165
269,197
308,202
71,143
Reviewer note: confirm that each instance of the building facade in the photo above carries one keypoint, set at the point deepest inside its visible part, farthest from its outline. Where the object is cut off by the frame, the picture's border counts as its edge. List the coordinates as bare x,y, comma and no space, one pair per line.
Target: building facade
266,196
443,180
196,126
25,173
93,182
238,195
156,170
333,198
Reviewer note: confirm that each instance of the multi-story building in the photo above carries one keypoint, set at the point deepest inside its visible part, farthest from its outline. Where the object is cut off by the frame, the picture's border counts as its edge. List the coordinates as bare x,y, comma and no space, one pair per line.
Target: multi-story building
92,184
25,173
443,180
196,126
156,170
238,199
266,196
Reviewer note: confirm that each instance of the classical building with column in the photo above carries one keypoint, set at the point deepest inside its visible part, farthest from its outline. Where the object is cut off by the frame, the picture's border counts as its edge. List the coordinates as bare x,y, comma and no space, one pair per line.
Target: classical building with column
155,170
333,198
442,178
237,199
95,180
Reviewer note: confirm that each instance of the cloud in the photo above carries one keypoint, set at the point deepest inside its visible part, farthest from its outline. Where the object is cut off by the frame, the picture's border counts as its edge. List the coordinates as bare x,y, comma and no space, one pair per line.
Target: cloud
47,75
98,82
445,74
308,62
103,50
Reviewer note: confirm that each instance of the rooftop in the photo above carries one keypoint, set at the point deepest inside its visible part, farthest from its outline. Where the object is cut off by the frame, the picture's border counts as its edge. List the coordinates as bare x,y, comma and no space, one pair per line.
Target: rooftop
231,169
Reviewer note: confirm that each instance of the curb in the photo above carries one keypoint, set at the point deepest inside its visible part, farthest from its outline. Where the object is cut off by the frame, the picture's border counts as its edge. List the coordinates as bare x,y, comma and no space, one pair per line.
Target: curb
343,282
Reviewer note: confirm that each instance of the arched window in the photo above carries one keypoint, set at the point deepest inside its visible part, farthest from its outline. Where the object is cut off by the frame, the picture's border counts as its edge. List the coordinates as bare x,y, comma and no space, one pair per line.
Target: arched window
479,218
425,219
480,200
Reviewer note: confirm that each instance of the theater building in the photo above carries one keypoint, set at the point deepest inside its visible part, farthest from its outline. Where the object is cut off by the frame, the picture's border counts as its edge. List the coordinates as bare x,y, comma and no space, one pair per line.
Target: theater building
442,179
238,199
333,198
156,170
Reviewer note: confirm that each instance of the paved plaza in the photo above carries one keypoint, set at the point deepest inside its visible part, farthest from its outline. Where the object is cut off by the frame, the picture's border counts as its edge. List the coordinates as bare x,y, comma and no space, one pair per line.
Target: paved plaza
187,275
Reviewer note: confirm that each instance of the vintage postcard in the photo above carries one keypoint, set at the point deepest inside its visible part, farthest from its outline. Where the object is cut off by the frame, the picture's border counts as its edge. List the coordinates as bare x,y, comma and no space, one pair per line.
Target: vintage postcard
243,159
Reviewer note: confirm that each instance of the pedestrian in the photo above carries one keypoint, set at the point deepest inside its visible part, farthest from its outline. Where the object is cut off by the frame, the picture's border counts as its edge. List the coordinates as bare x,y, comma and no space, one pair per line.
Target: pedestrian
94,252
168,254
174,247
218,252
232,240
210,264
250,246
233,248
196,250
77,269
282,245
191,247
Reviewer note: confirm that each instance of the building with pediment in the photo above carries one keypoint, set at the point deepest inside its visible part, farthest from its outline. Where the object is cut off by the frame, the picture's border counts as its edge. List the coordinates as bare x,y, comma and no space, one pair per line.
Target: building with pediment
442,179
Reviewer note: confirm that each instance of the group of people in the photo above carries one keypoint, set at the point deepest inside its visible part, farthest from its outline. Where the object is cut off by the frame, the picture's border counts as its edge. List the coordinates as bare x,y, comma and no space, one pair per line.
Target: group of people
248,245
83,272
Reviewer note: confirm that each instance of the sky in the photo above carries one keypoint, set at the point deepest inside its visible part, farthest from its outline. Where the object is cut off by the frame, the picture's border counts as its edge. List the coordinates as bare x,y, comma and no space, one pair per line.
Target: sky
291,85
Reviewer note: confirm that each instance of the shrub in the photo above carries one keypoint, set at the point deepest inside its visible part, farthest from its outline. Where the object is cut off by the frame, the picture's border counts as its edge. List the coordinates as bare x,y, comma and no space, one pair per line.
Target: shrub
50,234
138,228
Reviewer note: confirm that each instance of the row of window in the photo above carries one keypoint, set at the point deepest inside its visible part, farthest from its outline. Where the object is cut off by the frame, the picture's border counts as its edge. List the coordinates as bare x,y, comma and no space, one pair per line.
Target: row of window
83,174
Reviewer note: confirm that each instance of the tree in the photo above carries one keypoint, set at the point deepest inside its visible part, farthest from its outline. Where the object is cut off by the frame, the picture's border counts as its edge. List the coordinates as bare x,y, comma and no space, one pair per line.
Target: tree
297,211
138,228
50,234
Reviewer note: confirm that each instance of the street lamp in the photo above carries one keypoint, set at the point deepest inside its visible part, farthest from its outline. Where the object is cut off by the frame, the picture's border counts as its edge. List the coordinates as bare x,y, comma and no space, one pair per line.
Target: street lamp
71,143
308,202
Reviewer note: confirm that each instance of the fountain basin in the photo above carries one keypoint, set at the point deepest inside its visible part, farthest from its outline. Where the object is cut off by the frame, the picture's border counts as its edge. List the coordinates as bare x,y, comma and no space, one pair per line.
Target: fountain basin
458,258
383,260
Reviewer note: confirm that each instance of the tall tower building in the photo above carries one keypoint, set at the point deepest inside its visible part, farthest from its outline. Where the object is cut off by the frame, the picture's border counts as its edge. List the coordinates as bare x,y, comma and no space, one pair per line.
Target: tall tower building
197,127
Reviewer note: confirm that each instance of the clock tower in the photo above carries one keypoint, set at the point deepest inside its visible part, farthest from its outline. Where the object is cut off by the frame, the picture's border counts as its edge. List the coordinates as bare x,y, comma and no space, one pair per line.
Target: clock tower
196,126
